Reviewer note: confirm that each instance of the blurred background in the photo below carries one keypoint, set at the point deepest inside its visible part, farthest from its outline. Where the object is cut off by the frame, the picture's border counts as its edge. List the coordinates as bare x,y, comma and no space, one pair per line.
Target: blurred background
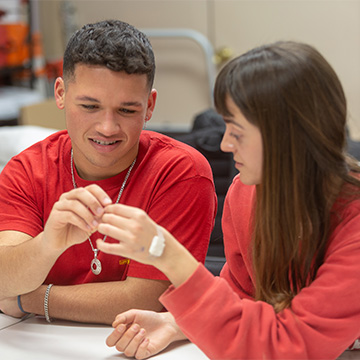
191,40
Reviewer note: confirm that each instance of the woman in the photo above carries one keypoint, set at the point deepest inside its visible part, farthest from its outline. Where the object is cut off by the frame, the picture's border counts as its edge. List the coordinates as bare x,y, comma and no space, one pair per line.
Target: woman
291,224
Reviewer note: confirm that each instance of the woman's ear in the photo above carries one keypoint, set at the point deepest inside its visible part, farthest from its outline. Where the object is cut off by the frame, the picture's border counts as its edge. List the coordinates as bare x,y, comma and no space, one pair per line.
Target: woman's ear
59,92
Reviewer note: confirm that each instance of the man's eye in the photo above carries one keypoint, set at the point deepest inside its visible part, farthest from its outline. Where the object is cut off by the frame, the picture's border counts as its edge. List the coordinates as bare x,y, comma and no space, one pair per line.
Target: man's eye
127,111
89,107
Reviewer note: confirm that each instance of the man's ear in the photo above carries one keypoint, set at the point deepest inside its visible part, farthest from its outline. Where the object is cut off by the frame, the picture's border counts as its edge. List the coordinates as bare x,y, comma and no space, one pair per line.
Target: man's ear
59,92
151,104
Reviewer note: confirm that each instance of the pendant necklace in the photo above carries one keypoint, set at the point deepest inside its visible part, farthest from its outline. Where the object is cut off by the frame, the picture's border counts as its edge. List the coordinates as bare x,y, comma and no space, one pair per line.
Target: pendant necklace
95,265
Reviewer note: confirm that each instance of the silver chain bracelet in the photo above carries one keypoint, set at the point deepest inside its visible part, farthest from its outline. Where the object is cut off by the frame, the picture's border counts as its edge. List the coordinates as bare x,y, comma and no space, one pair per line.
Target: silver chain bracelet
46,304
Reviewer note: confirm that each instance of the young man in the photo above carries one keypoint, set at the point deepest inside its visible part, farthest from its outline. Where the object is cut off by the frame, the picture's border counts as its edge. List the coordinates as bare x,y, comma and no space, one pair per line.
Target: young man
53,194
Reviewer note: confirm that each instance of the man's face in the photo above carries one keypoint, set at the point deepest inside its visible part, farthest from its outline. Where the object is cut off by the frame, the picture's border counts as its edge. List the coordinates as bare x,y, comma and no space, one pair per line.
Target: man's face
105,112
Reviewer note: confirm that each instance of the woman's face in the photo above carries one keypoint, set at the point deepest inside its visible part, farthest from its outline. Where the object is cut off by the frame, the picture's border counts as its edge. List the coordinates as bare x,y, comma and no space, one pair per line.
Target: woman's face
244,140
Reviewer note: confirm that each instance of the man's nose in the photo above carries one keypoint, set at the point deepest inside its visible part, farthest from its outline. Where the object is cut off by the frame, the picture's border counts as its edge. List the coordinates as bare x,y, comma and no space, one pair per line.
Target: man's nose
109,124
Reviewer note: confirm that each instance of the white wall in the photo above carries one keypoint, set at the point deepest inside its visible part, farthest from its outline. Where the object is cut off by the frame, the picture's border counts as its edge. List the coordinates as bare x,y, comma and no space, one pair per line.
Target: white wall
333,26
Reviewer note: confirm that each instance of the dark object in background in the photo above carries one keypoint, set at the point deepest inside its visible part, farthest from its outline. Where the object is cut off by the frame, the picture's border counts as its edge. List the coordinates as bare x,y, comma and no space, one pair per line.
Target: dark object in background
205,136
353,148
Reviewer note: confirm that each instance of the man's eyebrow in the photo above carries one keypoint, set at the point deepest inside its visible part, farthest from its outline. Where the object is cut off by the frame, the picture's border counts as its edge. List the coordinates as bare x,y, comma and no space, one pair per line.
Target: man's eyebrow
125,103
87,98
131,103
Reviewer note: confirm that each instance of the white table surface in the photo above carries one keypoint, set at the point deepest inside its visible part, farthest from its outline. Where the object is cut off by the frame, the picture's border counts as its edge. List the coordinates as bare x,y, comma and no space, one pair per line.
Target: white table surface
6,321
35,339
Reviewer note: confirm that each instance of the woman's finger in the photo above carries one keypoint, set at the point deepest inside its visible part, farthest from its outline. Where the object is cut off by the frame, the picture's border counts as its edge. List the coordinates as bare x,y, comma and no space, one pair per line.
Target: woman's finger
143,350
127,337
116,227
111,248
126,317
115,336
125,211
133,346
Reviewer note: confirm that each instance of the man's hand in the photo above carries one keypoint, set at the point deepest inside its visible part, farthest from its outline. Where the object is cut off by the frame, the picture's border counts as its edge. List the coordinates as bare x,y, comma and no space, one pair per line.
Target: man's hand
75,216
9,306
141,334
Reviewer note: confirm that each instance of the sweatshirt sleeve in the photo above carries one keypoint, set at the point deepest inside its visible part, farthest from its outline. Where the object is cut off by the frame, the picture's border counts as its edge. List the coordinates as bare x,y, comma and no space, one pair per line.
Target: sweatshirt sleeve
322,322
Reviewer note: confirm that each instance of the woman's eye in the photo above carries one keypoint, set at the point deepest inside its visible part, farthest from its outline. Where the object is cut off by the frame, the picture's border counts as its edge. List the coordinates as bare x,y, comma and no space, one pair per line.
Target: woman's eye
235,136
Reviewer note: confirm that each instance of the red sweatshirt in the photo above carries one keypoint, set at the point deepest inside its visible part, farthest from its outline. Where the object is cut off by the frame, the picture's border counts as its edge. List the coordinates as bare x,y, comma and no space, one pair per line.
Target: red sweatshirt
219,315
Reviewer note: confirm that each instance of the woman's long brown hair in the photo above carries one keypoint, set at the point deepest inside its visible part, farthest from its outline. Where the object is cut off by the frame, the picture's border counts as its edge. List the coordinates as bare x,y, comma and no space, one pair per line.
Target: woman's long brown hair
292,94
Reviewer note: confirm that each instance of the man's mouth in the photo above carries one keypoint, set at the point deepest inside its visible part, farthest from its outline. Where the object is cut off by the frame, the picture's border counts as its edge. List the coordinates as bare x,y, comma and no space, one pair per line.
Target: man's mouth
104,142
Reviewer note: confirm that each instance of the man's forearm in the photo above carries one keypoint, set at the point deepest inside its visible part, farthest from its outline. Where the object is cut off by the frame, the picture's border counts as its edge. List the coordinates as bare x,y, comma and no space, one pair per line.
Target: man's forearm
96,302
24,264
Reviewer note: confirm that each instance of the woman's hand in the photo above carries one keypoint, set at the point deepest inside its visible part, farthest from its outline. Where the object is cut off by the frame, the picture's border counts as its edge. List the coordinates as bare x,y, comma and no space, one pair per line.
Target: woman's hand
134,230
141,334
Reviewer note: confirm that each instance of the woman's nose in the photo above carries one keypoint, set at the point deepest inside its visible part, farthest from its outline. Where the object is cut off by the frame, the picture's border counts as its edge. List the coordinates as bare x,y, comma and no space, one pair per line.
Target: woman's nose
226,145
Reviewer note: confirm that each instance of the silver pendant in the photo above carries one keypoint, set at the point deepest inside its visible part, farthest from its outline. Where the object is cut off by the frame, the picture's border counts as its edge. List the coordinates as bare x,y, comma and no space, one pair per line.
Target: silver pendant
95,264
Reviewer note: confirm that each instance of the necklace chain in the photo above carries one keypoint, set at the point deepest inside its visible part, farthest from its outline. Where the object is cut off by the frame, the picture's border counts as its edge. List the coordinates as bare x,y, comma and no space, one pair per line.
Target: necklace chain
96,251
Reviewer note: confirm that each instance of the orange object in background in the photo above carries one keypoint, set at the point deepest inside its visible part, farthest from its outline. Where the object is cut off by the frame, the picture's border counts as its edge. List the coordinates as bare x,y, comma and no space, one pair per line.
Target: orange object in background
54,69
17,44
3,46
16,51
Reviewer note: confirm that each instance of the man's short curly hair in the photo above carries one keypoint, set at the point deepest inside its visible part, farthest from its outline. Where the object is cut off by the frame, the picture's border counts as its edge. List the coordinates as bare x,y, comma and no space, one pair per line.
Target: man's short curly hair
112,43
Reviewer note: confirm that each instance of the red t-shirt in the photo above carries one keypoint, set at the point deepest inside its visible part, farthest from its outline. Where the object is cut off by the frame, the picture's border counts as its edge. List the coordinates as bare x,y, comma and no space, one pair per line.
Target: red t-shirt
171,181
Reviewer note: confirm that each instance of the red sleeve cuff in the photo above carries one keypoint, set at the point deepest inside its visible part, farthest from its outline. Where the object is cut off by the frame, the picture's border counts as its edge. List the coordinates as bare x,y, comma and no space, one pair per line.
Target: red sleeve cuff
180,299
